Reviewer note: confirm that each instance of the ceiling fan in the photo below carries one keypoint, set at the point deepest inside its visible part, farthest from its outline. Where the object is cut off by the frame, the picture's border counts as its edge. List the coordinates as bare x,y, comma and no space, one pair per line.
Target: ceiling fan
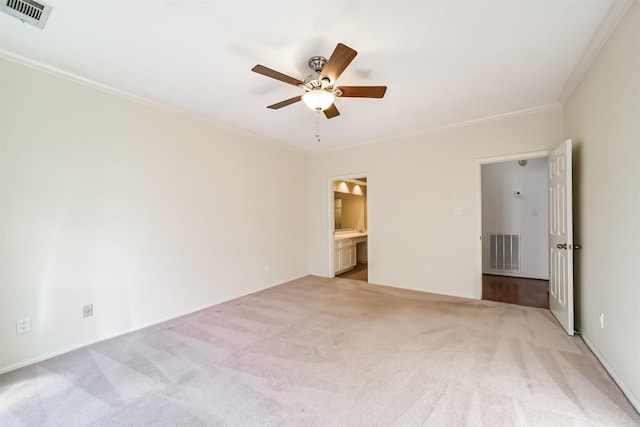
320,88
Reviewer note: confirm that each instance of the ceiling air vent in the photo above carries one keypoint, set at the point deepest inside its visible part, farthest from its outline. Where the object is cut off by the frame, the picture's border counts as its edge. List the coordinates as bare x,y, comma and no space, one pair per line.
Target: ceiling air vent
29,11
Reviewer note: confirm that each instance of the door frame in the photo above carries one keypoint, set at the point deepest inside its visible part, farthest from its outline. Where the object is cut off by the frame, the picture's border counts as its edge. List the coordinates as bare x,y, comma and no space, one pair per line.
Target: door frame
478,202
332,272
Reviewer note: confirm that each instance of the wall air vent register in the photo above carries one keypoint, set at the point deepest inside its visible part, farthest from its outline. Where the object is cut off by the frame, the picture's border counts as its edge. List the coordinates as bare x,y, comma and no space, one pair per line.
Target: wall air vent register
504,252
29,11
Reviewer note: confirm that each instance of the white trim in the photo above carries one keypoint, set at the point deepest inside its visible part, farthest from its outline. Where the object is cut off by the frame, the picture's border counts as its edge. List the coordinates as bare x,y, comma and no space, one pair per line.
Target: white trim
39,66
633,399
610,22
39,358
443,128
515,274
10,56
478,203
436,292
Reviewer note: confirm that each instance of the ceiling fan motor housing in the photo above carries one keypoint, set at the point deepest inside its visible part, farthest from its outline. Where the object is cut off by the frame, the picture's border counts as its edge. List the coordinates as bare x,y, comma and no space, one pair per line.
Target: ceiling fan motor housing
313,81
317,63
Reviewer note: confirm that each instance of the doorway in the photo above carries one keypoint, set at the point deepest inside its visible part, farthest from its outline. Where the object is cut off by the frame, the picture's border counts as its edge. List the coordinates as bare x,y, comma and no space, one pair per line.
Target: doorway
512,248
349,227
559,231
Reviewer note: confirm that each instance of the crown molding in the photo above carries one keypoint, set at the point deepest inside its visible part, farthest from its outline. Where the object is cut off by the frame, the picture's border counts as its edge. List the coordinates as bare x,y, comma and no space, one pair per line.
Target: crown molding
617,11
63,74
441,129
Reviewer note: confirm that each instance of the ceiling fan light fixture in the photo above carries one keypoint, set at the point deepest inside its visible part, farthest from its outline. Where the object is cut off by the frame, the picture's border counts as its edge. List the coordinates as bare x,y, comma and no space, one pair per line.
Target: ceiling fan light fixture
320,87
318,100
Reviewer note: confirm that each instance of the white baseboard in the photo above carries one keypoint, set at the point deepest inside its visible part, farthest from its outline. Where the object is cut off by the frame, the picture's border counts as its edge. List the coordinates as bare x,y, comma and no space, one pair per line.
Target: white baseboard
633,399
510,274
42,357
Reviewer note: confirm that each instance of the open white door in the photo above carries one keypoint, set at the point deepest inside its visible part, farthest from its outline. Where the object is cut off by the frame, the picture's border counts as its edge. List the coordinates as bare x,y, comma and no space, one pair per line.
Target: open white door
561,236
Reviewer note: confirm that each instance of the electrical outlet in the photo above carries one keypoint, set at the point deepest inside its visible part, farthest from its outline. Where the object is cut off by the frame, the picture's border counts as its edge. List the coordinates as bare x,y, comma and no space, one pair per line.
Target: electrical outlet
266,268
427,270
87,310
23,325
601,320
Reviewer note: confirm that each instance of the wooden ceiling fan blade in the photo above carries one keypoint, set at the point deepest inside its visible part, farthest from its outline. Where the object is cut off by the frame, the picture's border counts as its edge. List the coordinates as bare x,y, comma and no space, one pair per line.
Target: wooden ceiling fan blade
331,112
261,69
339,60
285,103
362,91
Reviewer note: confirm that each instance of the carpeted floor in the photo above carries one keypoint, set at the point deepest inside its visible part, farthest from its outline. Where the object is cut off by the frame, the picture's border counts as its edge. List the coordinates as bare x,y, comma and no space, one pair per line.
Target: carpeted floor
327,352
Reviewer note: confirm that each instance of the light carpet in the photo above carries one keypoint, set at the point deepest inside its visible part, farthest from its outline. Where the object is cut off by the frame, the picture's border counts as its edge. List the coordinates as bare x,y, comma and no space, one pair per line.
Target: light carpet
327,352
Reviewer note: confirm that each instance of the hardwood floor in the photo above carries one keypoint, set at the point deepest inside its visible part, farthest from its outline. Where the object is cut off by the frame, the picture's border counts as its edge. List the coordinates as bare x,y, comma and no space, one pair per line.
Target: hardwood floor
512,290
516,290
359,272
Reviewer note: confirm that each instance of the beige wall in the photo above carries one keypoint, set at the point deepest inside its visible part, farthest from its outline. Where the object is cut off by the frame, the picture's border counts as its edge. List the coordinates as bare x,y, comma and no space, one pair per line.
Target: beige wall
149,214
145,213
603,117
414,183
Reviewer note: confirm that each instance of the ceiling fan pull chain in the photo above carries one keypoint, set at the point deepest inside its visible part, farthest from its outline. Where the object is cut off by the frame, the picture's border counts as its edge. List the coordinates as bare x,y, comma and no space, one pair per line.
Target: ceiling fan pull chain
318,126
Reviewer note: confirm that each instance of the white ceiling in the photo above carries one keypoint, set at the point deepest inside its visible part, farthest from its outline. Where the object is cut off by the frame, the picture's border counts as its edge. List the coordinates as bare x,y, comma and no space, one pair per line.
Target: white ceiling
444,62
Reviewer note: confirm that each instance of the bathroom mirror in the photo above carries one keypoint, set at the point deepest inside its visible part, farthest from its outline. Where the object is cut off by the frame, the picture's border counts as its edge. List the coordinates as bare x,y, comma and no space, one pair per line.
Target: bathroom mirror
337,213
350,204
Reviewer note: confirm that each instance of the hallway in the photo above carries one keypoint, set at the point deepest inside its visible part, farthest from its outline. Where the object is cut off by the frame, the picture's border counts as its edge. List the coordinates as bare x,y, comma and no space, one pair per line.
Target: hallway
516,290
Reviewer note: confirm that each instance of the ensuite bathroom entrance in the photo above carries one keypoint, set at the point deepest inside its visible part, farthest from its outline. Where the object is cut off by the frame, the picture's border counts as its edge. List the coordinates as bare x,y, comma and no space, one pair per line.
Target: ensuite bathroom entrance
350,228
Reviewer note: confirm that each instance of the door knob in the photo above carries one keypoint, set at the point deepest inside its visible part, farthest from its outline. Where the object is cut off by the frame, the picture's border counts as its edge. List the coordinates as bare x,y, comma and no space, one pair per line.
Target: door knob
561,246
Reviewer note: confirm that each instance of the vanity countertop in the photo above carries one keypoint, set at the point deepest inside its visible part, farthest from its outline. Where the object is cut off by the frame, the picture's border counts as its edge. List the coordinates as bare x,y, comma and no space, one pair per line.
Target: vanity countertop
350,234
